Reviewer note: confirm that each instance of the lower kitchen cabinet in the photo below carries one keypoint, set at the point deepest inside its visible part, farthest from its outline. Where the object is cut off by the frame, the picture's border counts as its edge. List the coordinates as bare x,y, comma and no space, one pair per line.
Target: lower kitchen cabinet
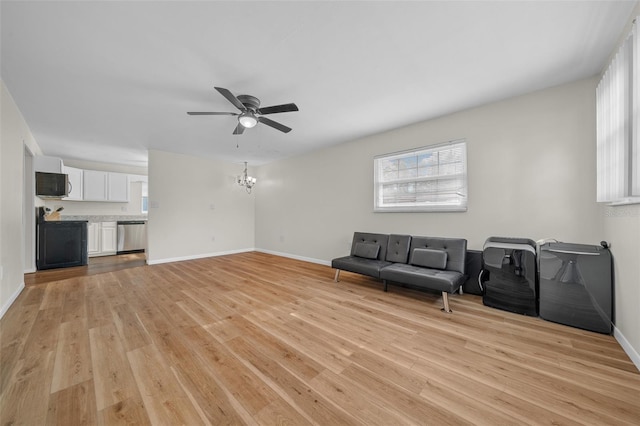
109,238
102,239
93,239
61,244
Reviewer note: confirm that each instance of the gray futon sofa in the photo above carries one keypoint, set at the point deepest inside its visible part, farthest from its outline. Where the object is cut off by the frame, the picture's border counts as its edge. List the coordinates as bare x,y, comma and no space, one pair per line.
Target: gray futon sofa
431,263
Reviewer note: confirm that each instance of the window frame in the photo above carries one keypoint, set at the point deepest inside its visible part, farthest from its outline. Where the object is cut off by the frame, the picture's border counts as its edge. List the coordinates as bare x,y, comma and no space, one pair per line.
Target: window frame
425,206
617,132
144,198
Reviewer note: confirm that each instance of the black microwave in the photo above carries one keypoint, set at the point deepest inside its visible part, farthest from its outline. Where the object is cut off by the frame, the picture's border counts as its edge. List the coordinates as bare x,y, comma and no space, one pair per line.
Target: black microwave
52,185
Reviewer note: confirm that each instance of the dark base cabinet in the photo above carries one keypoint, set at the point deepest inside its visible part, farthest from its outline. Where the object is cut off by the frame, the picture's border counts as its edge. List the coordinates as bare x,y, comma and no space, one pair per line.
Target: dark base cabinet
62,244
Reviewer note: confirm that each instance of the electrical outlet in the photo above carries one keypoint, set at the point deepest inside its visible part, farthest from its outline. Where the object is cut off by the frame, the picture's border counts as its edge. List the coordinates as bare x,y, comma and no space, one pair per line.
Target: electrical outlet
212,206
282,238
123,208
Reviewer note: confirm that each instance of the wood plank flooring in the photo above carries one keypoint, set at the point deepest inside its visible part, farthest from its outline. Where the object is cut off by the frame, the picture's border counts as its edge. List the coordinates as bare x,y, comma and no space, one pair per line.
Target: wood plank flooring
97,265
257,339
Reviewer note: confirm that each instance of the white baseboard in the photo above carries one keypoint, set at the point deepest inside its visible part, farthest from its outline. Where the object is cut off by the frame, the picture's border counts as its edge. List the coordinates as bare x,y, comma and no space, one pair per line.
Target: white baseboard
296,257
197,256
626,346
12,299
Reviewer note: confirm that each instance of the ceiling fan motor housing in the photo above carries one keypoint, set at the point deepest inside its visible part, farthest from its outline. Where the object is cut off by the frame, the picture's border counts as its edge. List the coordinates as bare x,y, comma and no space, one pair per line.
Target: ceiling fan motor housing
251,102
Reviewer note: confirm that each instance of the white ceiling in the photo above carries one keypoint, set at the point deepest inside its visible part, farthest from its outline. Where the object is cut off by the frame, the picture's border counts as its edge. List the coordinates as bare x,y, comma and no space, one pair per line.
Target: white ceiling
106,81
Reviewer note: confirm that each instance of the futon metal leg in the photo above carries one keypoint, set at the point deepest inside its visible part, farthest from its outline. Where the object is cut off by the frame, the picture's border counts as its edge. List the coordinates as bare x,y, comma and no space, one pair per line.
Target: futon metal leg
385,284
337,277
445,300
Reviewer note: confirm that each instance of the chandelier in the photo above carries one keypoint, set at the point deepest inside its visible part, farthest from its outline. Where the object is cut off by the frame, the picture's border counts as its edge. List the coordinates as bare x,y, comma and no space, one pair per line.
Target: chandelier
245,180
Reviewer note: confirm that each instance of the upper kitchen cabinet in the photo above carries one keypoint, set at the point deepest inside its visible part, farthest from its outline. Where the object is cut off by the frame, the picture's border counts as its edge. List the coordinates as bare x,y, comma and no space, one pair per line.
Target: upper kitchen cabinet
118,187
95,185
43,163
106,186
75,177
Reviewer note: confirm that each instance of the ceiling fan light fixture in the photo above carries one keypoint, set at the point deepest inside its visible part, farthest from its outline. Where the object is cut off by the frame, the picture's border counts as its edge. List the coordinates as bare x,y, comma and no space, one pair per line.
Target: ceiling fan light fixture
248,120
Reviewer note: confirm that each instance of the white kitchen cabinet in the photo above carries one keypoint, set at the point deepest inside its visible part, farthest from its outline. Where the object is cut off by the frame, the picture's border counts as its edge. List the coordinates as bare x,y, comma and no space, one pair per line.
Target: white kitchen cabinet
43,163
118,187
109,238
95,185
75,183
102,239
93,239
105,186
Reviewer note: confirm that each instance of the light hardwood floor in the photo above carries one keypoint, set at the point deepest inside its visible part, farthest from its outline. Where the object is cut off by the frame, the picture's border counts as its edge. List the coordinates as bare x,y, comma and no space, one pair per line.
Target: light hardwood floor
96,265
257,339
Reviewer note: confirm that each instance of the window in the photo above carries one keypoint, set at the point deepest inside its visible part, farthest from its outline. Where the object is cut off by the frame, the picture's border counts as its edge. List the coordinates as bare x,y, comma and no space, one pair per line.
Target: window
145,198
618,106
428,179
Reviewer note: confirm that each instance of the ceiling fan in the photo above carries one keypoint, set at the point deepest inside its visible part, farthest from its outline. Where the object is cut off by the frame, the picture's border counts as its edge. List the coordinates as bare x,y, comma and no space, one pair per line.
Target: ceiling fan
250,112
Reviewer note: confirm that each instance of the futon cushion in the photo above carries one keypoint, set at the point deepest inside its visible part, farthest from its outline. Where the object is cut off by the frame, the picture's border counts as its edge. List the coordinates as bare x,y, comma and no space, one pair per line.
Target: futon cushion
419,276
367,250
360,265
429,258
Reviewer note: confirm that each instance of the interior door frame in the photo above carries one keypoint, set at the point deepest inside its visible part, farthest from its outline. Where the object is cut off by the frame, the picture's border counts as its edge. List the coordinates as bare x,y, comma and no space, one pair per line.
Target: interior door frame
28,212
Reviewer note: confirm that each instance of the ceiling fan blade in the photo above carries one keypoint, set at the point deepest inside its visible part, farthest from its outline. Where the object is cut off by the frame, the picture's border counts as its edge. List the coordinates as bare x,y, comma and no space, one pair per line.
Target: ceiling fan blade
239,129
231,98
278,108
274,124
211,113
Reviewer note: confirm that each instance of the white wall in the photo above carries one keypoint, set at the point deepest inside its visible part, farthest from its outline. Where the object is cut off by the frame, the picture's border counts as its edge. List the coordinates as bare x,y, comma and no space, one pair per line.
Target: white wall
531,166
622,231
14,136
182,224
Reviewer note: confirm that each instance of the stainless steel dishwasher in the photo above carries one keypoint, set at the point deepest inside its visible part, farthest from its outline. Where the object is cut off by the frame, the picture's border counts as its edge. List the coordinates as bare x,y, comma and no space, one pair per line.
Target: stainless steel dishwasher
132,236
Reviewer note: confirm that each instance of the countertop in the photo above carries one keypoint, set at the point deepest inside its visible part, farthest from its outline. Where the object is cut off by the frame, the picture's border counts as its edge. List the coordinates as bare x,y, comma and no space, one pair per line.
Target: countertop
103,218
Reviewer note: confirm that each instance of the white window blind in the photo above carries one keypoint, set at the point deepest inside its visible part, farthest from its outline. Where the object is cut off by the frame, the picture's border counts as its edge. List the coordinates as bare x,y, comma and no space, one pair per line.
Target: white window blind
617,103
427,179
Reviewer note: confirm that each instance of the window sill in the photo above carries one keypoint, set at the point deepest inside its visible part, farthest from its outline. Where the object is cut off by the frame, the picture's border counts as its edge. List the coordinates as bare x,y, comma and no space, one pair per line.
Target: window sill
625,202
419,210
